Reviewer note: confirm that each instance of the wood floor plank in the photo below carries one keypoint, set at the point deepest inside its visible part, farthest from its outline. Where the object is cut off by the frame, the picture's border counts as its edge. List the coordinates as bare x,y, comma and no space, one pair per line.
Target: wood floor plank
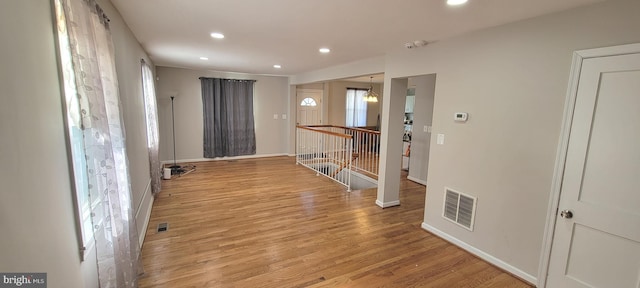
270,223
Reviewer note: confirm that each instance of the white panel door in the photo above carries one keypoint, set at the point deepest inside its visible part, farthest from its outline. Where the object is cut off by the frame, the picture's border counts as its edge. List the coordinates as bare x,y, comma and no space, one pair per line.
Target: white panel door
309,107
598,245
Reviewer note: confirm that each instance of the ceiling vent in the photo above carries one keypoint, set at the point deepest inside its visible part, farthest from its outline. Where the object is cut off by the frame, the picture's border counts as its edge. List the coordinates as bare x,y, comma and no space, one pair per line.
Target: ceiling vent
459,208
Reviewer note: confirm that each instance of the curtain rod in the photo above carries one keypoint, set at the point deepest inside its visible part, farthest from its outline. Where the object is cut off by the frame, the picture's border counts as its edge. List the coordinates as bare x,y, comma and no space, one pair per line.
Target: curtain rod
228,79
98,10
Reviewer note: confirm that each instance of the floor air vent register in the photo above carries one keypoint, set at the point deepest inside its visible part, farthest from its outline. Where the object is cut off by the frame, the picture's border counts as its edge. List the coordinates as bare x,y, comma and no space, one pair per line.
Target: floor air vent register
163,227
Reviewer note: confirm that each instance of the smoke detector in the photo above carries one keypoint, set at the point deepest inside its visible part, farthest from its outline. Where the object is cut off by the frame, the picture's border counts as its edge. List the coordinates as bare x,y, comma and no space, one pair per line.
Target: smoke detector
420,43
415,44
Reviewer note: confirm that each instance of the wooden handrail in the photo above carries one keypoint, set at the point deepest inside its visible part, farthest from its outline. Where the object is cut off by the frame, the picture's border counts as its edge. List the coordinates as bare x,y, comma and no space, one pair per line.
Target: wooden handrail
361,130
311,128
343,127
359,152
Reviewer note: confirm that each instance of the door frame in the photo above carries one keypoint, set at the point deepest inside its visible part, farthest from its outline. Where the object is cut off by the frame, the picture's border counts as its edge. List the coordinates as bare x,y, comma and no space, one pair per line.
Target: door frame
561,153
320,104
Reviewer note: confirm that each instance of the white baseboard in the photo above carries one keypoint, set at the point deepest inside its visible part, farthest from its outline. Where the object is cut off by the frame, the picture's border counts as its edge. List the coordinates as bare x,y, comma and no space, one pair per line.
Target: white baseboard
387,204
164,162
144,211
417,180
292,155
481,254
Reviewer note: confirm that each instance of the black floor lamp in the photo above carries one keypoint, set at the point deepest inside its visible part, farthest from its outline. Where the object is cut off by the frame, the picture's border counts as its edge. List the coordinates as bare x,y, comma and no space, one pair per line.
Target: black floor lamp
175,168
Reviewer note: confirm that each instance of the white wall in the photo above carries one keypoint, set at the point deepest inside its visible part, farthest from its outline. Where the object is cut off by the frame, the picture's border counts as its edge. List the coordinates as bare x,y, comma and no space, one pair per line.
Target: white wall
36,206
422,116
317,86
357,68
36,211
512,80
334,102
128,53
271,96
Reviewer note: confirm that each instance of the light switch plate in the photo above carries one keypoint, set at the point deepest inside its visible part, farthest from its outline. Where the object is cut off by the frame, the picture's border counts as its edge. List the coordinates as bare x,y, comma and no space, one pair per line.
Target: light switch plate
284,116
440,139
275,116
427,128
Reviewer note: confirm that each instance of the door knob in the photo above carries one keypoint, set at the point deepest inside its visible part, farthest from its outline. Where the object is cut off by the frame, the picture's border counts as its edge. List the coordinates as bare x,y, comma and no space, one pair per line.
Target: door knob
566,214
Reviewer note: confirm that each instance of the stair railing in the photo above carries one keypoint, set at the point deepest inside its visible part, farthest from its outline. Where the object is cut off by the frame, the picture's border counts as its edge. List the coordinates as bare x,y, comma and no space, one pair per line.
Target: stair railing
326,151
336,151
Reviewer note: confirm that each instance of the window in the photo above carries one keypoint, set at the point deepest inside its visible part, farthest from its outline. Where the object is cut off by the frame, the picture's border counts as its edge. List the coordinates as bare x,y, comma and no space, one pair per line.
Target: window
85,203
151,113
308,102
356,108
96,141
229,128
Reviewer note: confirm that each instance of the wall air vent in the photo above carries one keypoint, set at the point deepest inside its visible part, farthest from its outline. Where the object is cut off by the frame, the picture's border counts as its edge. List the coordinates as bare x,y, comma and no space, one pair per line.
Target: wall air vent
459,208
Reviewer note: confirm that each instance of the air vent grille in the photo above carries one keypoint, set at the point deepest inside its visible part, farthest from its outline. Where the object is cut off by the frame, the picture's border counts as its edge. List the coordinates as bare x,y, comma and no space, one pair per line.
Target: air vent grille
459,208
163,227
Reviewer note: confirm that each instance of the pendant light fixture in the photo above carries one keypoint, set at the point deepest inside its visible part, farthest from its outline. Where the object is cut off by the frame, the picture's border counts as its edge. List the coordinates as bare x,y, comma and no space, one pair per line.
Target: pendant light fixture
371,95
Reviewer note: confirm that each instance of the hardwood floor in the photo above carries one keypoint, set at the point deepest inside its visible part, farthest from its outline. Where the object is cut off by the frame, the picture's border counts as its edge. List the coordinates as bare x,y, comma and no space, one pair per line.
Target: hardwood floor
270,223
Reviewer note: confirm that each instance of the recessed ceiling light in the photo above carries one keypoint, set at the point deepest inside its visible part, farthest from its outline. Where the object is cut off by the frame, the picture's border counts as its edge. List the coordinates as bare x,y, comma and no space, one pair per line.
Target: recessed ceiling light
456,2
324,50
217,35
204,58
277,66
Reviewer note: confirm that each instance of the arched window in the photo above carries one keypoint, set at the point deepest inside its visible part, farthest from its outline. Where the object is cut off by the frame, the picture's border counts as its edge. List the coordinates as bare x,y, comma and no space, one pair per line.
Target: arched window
308,102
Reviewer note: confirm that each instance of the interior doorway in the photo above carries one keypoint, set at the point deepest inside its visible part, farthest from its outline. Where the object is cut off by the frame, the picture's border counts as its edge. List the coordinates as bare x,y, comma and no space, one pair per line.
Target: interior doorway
309,106
596,241
418,114
419,119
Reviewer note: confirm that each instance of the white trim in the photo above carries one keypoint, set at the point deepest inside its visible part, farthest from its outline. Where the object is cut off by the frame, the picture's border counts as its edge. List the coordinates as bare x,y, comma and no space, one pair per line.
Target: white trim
291,155
224,158
147,190
364,177
556,181
147,194
387,204
609,51
561,153
481,254
89,248
422,182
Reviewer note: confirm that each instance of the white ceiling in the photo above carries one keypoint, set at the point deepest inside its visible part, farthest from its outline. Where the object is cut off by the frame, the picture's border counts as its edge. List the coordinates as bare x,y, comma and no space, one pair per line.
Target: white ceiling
261,33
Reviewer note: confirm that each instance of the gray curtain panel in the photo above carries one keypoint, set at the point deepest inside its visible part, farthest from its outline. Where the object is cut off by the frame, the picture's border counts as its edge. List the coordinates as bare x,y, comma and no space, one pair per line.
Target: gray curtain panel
229,128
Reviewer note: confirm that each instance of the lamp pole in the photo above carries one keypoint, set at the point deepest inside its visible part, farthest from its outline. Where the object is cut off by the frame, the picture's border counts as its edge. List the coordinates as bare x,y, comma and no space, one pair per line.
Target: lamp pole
175,166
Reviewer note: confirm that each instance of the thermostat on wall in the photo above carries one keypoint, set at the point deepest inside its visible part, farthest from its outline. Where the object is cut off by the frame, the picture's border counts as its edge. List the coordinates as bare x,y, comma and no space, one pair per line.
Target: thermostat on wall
460,116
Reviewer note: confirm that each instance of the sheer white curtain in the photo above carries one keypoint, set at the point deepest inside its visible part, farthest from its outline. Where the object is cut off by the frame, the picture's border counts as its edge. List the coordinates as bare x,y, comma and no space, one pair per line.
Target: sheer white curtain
91,93
356,108
151,111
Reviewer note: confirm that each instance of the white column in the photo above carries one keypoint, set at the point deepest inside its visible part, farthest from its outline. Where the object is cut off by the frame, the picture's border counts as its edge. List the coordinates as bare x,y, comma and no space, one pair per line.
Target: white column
392,129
